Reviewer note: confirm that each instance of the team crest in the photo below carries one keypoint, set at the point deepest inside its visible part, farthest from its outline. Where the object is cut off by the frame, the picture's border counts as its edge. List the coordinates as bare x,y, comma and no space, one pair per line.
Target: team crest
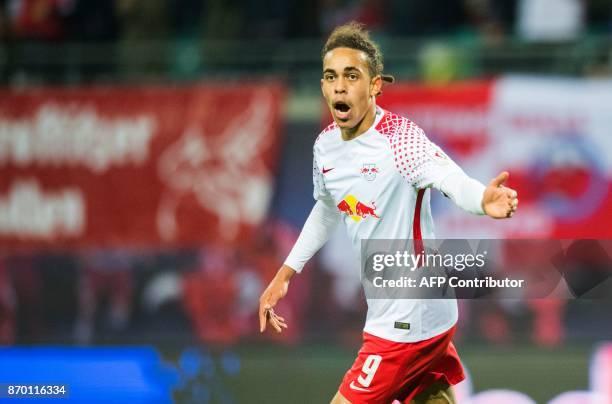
369,171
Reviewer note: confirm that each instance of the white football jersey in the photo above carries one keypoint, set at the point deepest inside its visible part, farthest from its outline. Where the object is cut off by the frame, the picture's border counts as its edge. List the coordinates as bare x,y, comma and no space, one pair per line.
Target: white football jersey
379,182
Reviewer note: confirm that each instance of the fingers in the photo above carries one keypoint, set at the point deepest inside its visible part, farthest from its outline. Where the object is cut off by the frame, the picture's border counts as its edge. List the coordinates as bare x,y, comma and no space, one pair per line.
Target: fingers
512,200
501,202
265,304
266,314
512,206
262,317
276,321
272,320
277,317
500,179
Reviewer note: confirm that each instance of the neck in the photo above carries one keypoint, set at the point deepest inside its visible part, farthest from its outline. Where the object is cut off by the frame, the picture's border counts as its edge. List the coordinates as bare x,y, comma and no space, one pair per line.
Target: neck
362,126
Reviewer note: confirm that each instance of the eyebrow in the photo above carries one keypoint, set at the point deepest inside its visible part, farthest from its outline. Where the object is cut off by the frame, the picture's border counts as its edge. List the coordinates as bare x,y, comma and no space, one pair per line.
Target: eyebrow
346,69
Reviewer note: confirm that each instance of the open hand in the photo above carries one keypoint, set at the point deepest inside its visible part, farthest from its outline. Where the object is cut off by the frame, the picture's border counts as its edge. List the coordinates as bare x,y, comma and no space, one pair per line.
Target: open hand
499,201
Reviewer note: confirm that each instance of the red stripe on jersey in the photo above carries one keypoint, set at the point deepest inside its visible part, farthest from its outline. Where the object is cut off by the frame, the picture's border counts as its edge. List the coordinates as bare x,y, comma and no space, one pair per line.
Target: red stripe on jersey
416,223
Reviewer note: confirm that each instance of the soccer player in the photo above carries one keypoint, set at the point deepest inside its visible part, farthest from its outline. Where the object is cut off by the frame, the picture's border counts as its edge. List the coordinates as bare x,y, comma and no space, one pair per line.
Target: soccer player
372,172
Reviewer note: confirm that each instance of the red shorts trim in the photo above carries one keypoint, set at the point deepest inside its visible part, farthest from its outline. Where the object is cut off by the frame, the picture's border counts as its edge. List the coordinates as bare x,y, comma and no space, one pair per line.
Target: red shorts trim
386,370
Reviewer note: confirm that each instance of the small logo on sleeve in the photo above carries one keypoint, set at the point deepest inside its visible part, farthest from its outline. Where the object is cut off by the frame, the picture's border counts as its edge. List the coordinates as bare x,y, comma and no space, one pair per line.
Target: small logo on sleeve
437,155
402,326
326,170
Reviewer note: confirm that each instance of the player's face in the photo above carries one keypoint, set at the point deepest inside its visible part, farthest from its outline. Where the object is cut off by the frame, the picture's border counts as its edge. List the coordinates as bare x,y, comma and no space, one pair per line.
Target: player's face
348,89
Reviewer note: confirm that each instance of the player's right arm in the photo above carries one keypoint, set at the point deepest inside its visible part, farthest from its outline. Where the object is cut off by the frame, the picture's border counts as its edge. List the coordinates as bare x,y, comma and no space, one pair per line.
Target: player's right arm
316,231
321,222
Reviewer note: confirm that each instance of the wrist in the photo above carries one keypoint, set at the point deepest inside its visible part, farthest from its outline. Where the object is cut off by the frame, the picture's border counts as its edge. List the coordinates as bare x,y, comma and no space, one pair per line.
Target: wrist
483,204
285,273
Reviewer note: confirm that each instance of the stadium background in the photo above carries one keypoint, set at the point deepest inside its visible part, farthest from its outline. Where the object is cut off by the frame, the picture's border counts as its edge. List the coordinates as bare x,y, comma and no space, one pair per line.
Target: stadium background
155,169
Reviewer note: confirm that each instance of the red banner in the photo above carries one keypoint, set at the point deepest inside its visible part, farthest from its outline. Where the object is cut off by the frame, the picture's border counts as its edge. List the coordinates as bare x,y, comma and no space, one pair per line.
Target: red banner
136,166
455,115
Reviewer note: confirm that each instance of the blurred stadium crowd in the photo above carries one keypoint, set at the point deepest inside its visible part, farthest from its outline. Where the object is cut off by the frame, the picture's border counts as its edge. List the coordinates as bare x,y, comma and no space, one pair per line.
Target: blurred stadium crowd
110,20
136,40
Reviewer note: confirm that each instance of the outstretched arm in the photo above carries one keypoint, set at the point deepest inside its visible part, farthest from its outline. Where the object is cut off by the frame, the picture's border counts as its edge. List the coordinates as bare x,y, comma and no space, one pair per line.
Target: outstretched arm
423,164
494,200
316,231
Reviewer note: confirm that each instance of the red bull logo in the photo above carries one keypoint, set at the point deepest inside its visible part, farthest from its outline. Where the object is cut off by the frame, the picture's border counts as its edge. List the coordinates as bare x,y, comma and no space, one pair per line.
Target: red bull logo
356,209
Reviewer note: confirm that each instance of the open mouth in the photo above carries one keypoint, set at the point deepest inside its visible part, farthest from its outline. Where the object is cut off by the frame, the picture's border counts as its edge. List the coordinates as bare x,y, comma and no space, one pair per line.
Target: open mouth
342,109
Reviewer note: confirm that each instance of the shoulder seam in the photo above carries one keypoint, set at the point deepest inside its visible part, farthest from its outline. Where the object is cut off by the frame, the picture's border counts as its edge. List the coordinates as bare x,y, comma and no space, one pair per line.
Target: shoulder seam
327,129
392,124
404,141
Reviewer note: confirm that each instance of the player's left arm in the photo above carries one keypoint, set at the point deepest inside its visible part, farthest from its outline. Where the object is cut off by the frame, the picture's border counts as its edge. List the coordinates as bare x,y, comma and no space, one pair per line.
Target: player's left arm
495,200
433,168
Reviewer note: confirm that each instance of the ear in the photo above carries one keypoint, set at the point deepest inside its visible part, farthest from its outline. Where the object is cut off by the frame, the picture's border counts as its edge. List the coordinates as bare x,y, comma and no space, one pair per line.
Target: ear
376,86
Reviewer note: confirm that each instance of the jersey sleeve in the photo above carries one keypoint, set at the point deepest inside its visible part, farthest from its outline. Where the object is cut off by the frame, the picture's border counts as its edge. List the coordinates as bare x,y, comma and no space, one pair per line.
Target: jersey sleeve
320,193
421,162
321,222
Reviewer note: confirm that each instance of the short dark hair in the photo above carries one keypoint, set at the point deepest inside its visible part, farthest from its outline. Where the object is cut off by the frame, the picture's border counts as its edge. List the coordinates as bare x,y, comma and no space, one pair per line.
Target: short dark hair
352,35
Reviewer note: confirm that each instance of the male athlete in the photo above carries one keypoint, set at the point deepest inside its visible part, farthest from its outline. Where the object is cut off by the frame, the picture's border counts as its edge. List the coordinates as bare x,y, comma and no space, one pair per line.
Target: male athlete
372,171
